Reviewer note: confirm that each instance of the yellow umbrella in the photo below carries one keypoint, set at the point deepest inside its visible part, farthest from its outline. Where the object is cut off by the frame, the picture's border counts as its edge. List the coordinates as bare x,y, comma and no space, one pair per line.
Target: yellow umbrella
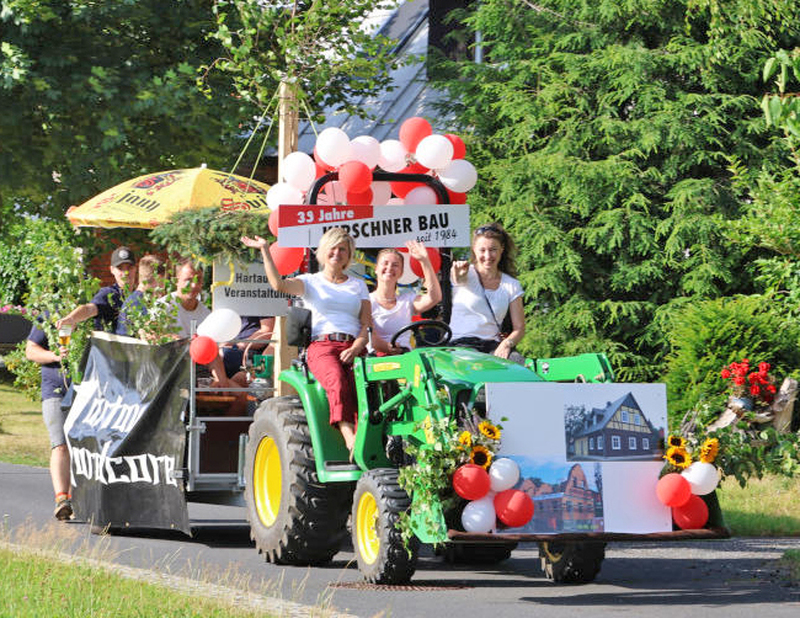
150,200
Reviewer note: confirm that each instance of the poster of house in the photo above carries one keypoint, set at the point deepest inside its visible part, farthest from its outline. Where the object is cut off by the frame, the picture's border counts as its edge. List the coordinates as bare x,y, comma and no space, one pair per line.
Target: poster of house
576,488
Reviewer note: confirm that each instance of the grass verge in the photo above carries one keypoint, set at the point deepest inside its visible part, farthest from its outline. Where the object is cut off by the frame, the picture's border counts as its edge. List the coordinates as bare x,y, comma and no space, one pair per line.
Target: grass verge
23,436
765,507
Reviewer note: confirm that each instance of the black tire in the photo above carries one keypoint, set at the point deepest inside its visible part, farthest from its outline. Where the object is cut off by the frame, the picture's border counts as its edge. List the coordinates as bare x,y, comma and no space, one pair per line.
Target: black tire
294,519
382,557
571,563
476,553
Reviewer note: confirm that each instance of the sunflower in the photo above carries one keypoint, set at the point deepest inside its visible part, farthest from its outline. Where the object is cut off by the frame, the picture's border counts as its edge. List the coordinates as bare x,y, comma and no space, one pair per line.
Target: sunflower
481,456
465,439
677,442
709,450
678,457
490,431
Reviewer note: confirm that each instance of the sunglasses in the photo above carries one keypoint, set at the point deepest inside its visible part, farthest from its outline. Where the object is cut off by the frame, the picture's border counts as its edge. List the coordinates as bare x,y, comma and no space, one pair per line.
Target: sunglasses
487,228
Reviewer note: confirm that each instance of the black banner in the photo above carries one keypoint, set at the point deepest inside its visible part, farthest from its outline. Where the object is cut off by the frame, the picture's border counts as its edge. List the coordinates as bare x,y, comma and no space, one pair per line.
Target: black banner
126,435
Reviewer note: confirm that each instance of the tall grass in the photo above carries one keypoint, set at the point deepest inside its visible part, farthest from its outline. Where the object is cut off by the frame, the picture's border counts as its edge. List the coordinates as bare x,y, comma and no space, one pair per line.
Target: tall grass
765,507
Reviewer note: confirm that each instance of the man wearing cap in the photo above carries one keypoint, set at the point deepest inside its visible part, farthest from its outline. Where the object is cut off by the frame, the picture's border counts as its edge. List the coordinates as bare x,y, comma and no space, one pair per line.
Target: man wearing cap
106,304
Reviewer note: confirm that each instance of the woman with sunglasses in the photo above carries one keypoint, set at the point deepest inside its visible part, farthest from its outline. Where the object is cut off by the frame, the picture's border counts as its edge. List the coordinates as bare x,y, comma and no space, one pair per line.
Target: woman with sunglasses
340,319
484,291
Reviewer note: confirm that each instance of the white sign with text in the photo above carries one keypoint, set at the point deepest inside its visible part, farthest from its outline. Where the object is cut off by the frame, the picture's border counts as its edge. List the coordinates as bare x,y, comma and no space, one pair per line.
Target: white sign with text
439,225
247,292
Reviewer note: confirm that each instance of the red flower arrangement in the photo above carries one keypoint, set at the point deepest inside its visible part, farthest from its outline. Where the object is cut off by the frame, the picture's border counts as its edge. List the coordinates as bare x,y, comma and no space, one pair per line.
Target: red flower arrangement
757,384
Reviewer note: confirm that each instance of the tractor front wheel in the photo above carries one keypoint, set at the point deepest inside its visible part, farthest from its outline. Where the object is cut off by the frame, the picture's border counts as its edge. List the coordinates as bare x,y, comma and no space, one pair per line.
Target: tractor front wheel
571,563
294,519
377,504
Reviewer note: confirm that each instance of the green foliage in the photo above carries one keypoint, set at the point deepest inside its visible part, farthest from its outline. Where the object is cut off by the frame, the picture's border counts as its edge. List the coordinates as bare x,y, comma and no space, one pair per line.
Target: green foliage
322,50
708,335
603,133
748,452
27,375
207,234
93,93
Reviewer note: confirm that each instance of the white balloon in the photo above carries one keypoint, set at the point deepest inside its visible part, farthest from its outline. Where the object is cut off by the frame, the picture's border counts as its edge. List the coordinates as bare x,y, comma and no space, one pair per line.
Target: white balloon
503,474
381,193
333,147
395,201
479,515
299,170
421,196
408,275
703,477
367,150
283,193
459,176
393,155
434,152
221,325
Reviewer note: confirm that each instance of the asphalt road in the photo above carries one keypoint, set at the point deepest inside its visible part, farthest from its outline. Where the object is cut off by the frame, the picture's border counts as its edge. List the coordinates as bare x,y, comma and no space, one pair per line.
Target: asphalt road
735,578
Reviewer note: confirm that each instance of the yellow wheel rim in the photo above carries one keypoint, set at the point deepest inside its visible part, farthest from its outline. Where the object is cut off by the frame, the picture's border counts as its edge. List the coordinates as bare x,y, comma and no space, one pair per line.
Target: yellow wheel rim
369,543
267,479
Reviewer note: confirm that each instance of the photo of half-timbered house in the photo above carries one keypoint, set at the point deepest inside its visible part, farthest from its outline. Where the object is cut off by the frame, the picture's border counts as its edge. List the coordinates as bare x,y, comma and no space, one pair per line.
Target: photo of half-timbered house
620,430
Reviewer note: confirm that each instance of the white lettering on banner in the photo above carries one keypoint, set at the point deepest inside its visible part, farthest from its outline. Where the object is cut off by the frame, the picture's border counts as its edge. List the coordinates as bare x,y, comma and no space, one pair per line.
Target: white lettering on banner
439,225
144,468
105,414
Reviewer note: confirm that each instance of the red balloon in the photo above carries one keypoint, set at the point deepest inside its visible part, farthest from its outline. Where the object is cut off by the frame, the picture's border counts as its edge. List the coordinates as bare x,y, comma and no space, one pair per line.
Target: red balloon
287,259
471,482
513,507
673,490
413,131
436,261
401,189
203,350
359,198
459,149
355,176
272,223
321,164
456,198
692,515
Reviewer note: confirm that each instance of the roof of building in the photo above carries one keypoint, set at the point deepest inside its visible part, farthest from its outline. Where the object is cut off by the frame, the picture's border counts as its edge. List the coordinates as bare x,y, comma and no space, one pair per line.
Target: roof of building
604,415
412,94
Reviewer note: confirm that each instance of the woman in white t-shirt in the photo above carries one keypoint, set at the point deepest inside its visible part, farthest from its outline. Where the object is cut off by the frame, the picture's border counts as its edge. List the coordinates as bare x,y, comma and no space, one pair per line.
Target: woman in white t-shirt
340,318
484,291
392,311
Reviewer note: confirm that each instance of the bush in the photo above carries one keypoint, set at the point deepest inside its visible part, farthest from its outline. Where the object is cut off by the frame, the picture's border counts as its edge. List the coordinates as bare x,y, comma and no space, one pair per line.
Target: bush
27,374
708,335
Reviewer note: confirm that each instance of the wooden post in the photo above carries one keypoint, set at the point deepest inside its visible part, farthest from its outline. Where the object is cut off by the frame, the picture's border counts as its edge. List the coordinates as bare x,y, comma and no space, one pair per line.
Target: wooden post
288,123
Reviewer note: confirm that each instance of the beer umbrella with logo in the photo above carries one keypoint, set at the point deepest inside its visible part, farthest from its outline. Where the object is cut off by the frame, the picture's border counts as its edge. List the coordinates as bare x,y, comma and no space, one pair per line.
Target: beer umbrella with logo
152,199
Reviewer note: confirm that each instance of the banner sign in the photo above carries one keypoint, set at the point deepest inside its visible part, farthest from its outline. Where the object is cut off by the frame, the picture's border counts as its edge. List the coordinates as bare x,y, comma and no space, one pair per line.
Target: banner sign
126,436
589,455
444,225
248,292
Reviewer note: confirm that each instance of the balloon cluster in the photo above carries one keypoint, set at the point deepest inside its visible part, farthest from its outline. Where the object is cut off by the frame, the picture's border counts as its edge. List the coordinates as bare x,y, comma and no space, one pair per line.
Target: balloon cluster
219,326
682,491
417,151
491,496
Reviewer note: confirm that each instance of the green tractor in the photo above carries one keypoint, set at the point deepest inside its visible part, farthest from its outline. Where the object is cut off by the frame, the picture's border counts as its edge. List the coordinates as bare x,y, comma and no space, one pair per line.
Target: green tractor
301,486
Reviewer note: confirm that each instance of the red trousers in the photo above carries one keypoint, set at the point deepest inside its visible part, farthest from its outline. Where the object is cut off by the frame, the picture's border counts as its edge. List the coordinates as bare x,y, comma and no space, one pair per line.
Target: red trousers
335,377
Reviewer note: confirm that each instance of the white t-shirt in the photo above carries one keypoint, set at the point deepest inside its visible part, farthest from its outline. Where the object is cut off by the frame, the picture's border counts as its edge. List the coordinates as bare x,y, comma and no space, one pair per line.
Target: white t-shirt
386,322
184,318
471,316
335,307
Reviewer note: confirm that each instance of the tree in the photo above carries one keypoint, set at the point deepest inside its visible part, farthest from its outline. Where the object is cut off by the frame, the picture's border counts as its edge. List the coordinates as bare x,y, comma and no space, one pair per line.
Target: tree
604,132
93,93
323,54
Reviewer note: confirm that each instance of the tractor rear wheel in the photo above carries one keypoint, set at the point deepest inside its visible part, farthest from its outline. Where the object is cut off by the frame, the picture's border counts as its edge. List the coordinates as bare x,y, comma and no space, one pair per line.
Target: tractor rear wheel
294,519
571,563
378,502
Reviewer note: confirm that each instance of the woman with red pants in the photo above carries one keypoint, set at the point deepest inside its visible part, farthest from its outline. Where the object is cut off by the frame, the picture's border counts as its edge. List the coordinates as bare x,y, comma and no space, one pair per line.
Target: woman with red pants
340,320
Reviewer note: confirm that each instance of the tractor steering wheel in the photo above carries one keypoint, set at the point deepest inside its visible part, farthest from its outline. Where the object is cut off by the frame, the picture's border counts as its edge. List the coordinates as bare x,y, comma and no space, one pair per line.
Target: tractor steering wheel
445,334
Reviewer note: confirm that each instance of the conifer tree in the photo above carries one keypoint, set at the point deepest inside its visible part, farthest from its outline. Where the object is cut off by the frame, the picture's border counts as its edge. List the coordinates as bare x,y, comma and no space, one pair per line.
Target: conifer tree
604,132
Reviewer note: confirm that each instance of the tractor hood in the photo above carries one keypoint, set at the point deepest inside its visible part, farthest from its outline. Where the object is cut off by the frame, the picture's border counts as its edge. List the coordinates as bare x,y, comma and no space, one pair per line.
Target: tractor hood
467,365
